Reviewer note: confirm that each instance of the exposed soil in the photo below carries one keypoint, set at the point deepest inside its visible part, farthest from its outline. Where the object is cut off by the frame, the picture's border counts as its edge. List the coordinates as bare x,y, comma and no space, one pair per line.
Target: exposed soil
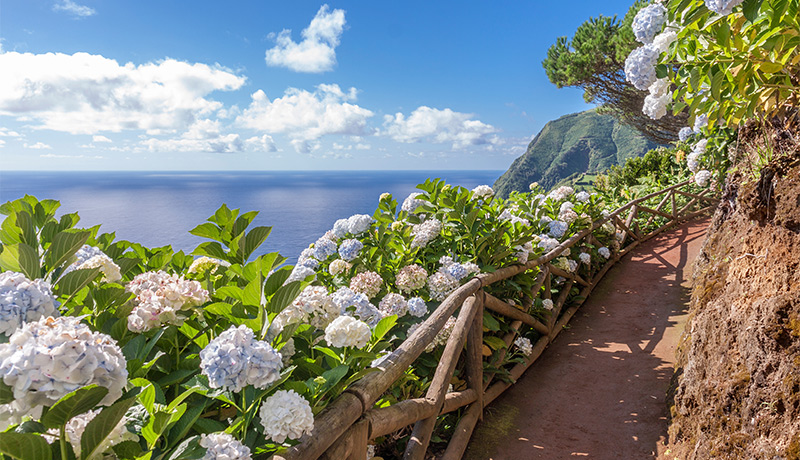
599,390
738,394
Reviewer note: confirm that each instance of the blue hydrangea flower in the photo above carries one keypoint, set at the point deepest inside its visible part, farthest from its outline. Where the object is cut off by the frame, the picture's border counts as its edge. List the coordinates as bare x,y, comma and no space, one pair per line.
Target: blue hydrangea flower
349,249
685,133
640,67
356,304
340,228
324,248
457,271
235,359
648,22
417,307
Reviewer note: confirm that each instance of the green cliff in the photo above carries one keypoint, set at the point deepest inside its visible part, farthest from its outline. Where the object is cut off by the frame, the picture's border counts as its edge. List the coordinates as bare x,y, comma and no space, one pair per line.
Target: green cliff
575,144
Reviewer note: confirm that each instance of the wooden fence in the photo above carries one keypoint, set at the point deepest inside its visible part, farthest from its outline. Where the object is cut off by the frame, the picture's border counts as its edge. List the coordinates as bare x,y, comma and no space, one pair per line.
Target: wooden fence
343,430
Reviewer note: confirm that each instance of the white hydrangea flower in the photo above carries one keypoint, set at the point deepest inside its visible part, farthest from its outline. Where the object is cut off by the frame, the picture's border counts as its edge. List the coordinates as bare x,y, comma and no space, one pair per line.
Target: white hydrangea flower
561,193
346,331
338,266
236,359
568,216
359,223
547,243
24,301
482,192
385,196
92,257
349,249
604,252
524,345
685,133
523,252
316,305
722,7
287,352
77,425
663,40
648,22
547,304
586,258
368,283
572,265
286,414
700,122
300,273
324,247
160,298
410,278
582,196
411,203
222,446
442,336
340,228
356,304
441,284
417,307
701,178
46,359
393,304
558,228
425,232
506,215
640,66
203,264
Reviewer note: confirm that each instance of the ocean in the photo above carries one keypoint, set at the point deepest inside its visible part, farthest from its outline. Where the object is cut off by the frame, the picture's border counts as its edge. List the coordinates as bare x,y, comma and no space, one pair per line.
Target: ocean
159,208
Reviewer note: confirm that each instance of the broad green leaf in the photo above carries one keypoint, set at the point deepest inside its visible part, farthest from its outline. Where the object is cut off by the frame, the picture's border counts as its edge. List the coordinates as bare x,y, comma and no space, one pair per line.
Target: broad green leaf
25,446
207,230
189,449
6,393
283,297
255,238
27,230
252,292
384,326
333,376
64,246
101,426
210,249
495,343
75,403
182,427
74,281
20,258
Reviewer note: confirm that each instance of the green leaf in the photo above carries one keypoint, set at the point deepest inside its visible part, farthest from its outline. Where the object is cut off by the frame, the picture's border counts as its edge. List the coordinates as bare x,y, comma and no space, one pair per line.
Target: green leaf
6,393
182,427
25,446
333,376
28,232
253,240
74,281
210,249
21,258
101,426
283,297
495,343
189,449
207,230
751,8
383,327
78,402
64,246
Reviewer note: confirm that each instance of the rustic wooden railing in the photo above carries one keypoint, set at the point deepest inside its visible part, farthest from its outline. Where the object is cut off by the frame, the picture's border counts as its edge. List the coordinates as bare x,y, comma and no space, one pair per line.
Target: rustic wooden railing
343,430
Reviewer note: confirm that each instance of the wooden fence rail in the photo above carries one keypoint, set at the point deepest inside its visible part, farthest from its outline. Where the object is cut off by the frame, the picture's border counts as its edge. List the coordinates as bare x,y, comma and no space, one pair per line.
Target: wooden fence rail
344,429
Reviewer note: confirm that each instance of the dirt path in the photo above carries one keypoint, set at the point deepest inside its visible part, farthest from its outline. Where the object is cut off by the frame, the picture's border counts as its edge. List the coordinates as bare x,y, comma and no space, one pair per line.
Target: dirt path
599,390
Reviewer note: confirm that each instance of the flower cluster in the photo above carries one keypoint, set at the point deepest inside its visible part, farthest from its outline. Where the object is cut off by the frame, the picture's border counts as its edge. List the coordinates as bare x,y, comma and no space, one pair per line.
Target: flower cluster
393,304
648,22
46,359
222,446
356,304
204,264
447,278
640,66
586,258
92,257
23,300
313,306
547,304
77,425
558,228
324,247
411,203
286,414
425,232
561,193
700,122
349,249
685,133
160,297
417,307
482,192
354,225
701,178
411,278
524,345
338,266
604,252
368,283
693,159
655,104
722,7
236,359
346,331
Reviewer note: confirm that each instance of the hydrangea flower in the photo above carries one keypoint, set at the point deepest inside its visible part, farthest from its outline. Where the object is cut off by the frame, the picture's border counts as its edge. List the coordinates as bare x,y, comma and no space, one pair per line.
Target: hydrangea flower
393,304
356,304
442,336
561,193
524,345
604,252
482,192
547,304
648,22
685,133
558,228
203,264
385,196
701,178
640,66
46,359
324,248
547,243
349,249
286,414
722,7
306,259
368,283
663,40
160,298
582,196
655,104
441,284
235,359
359,223
313,305
222,446
523,252
586,258
23,300
77,425
506,215
340,228
338,266
287,352
411,203
425,232
700,122
300,273
410,278
568,216
346,331
92,257
417,307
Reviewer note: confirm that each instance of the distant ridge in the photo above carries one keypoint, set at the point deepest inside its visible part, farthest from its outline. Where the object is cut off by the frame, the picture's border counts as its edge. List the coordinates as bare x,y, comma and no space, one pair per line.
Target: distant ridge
575,144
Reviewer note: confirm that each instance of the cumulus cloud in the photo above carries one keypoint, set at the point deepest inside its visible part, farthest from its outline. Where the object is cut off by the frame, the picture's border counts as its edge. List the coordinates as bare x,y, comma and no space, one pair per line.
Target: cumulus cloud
440,126
79,11
202,136
100,139
37,146
5,132
305,116
2,142
86,94
316,53
264,143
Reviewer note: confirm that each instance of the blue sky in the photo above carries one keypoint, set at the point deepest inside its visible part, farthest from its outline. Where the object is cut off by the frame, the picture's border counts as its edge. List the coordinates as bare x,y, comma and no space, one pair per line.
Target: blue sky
270,85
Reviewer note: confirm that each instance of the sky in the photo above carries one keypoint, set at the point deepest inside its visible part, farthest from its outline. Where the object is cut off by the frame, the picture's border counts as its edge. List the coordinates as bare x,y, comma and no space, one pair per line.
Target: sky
279,85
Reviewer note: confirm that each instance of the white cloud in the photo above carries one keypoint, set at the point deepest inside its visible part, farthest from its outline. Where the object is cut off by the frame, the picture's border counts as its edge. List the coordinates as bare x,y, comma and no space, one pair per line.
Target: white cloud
202,136
316,53
264,143
37,146
2,142
440,126
54,155
100,139
87,94
80,11
359,146
5,132
304,115
305,146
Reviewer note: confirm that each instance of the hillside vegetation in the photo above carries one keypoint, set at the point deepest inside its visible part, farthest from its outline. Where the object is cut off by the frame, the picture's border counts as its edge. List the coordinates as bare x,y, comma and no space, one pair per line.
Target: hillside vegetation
585,142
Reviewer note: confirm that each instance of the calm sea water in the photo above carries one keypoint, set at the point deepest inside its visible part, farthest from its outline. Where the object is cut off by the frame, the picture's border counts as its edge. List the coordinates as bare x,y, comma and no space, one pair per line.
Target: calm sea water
159,208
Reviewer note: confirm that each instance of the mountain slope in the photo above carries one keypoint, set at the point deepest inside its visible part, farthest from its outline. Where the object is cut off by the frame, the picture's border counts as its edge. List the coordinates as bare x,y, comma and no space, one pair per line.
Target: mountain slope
584,142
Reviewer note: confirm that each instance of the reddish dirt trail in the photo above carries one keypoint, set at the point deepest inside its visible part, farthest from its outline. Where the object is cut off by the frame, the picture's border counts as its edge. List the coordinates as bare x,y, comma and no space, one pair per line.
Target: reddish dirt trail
599,390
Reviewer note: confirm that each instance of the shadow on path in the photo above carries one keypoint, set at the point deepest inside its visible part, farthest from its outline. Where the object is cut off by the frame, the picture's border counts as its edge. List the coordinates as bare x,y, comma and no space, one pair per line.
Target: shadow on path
598,391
